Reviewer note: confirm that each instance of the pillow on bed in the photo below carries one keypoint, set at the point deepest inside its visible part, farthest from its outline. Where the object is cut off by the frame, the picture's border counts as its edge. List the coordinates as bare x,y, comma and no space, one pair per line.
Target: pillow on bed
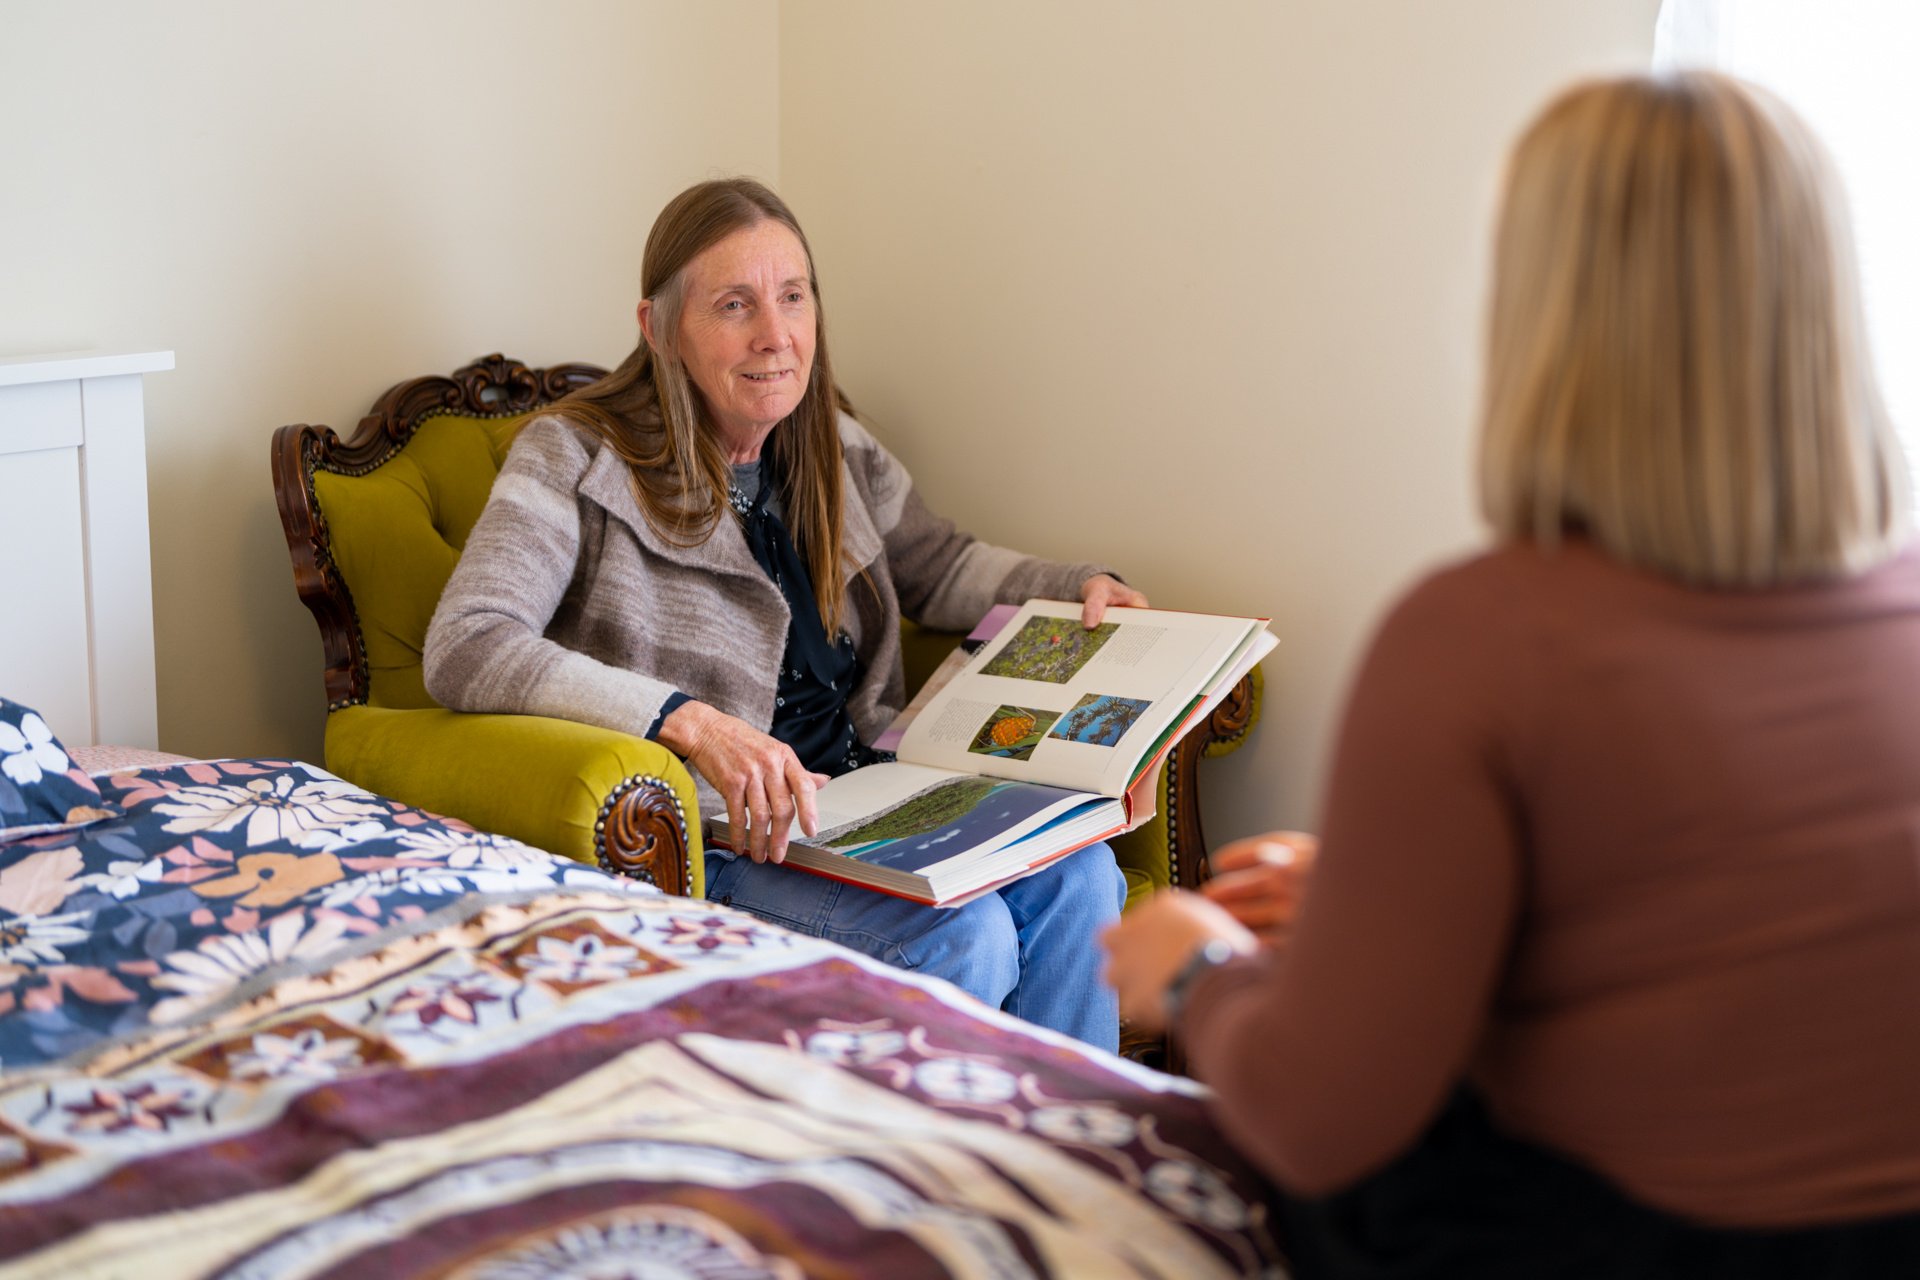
40,790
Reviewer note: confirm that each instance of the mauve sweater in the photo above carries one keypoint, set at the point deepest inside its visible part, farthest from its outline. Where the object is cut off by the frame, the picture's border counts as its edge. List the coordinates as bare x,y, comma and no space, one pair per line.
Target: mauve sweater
1641,862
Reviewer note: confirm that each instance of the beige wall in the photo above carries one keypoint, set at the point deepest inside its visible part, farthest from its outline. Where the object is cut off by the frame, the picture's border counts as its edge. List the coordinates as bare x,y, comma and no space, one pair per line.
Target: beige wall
310,202
1191,287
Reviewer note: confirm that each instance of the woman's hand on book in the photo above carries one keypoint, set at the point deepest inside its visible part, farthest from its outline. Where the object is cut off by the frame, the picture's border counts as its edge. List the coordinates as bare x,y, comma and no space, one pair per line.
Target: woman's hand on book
764,784
1260,880
1103,591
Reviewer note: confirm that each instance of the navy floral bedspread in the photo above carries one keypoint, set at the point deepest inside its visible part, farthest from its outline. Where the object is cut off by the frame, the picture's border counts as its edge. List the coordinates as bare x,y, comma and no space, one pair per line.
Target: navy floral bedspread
269,1024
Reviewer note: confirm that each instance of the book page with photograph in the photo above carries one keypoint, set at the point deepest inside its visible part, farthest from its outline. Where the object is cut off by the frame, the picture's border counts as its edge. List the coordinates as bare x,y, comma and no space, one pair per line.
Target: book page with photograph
927,833
986,629
940,835
909,816
1048,700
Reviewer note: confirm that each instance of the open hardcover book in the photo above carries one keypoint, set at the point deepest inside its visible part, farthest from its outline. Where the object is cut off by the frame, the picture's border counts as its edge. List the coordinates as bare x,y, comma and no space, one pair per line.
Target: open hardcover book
1044,739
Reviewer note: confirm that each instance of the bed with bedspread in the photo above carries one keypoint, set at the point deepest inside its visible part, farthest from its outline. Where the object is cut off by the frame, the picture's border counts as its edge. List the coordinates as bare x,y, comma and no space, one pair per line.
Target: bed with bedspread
257,1022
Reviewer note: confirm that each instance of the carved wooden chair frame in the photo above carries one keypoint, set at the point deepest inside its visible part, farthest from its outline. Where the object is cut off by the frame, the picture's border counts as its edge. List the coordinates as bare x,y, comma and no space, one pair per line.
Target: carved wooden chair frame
640,831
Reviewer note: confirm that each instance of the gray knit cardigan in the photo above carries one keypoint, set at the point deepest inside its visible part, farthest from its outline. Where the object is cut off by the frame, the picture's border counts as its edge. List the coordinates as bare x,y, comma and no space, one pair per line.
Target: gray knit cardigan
566,603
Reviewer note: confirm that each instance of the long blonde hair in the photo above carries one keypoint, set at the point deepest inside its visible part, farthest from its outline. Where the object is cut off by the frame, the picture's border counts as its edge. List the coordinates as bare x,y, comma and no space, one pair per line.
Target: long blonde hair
649,413
1676,361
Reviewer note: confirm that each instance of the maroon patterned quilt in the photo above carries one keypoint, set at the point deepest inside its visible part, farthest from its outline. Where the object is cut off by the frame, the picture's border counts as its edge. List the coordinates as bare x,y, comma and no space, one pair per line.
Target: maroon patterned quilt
270,1025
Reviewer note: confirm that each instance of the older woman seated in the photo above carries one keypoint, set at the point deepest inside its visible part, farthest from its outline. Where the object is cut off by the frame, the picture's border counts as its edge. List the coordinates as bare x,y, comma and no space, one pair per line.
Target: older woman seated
705,548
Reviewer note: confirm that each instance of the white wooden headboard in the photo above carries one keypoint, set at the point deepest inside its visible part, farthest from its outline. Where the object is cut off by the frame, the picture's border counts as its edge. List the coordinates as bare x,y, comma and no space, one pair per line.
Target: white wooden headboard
76,578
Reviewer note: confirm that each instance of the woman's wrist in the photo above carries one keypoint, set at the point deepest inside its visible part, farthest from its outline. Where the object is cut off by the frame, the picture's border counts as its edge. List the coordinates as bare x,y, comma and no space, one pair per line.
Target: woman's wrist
1209,955
686,727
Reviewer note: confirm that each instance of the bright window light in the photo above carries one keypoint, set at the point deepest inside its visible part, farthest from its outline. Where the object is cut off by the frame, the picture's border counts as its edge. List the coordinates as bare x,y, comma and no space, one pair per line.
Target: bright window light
1851,68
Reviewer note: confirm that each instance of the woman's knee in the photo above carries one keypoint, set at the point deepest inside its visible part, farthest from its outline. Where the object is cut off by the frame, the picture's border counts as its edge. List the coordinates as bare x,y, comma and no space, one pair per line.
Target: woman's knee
1094,871
975,947
1087,883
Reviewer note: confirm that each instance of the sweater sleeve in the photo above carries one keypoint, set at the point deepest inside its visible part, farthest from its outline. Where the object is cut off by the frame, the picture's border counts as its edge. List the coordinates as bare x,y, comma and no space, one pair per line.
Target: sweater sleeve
946,578
1330,1057
486,648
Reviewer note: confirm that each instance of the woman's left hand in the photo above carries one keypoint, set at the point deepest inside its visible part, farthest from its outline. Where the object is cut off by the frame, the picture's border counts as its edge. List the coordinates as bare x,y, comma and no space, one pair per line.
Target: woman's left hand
1150,943
1261,880
1103,591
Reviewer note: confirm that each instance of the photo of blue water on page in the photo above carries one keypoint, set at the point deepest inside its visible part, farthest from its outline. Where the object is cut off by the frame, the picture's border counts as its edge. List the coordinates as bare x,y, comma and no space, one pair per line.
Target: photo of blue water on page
947,818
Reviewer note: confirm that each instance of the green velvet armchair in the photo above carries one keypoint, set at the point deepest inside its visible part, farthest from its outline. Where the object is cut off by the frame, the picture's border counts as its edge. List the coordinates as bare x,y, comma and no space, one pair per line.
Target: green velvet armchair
375,525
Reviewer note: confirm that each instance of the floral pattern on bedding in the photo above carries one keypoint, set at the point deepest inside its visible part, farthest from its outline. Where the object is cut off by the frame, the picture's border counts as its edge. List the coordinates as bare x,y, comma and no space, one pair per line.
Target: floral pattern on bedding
269,1025
214,874
41,790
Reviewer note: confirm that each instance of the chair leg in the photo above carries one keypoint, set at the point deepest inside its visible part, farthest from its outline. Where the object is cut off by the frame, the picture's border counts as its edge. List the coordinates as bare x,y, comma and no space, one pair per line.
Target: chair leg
1146,1050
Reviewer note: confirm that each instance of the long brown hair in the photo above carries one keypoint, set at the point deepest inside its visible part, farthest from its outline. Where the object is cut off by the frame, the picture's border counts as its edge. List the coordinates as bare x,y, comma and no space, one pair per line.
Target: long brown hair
1676,361
649,413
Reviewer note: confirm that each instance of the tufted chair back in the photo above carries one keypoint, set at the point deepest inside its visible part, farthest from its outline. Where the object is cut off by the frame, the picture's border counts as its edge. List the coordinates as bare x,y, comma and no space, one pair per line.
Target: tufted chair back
375,525
397,532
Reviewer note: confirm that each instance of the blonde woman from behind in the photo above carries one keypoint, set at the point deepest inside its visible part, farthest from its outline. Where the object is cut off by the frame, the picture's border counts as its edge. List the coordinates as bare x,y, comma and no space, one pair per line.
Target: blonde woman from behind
1609,960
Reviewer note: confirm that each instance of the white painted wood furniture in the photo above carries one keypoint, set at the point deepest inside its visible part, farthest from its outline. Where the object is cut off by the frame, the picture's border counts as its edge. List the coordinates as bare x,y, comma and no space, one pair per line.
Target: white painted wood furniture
76,580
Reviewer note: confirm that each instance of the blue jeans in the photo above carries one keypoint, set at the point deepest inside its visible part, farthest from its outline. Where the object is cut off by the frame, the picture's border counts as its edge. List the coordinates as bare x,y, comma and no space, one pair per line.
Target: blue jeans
1031,948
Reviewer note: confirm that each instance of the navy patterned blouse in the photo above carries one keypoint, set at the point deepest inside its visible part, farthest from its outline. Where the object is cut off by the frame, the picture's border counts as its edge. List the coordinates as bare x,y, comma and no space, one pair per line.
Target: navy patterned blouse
816,674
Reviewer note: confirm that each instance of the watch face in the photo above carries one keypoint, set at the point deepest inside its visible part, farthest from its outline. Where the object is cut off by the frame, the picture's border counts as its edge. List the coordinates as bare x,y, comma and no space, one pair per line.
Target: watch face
1209,955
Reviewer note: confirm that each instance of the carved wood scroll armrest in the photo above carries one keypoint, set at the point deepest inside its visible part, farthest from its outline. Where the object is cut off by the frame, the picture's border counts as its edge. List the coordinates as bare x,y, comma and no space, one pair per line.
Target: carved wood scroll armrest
641,832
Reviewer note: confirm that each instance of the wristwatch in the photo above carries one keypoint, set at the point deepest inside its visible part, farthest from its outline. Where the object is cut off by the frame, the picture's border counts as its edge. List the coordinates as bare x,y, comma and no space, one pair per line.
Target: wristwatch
1210,954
